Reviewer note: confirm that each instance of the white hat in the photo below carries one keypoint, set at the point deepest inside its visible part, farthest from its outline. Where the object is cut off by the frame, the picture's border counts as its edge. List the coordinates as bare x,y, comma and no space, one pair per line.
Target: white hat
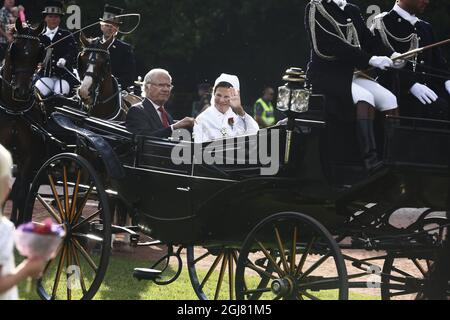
229,78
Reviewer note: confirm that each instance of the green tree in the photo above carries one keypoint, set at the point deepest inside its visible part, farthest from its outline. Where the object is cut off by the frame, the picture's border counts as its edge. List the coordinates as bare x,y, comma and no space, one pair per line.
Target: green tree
197,40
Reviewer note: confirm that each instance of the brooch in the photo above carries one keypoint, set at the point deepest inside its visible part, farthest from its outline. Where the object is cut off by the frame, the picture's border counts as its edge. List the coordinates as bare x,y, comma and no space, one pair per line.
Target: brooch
231,123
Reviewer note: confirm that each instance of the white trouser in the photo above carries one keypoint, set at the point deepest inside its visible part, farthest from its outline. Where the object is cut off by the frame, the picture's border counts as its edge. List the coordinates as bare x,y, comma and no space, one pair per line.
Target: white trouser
48,86
373,93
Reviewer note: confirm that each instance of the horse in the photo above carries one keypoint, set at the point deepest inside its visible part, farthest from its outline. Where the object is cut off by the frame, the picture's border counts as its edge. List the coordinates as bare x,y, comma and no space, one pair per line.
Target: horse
18,110
99,90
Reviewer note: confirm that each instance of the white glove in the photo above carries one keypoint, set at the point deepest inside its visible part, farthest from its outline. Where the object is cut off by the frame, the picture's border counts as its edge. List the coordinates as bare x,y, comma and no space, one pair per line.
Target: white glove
447,86
423,93
399,63
381,62
61,63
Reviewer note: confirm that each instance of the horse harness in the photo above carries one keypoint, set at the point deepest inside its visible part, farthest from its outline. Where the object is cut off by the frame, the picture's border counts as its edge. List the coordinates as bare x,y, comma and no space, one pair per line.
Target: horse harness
99,78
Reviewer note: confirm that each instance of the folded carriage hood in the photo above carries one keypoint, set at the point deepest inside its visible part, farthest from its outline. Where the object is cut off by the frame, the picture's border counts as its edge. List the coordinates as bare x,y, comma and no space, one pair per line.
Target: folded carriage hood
109,157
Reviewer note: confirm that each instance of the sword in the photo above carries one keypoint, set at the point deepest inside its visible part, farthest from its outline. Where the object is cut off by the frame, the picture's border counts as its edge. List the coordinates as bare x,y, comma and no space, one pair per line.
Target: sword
406,55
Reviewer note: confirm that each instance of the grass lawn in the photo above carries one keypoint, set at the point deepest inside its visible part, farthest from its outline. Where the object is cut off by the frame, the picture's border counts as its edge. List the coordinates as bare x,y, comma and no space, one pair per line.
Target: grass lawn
119,284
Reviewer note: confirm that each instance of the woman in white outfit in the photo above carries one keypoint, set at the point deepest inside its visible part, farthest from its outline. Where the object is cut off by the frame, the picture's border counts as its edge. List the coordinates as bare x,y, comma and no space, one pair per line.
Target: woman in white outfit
226,117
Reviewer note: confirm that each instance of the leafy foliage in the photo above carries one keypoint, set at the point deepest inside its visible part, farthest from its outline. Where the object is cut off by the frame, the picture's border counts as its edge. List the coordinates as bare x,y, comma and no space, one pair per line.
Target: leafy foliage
197,40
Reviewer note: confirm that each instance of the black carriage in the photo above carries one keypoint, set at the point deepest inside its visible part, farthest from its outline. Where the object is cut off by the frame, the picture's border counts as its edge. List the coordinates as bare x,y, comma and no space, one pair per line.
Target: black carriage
282,236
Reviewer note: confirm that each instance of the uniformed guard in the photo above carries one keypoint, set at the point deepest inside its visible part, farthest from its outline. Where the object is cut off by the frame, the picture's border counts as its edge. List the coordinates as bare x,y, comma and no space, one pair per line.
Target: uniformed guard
123,61
341,43
423,85
264,111
54,76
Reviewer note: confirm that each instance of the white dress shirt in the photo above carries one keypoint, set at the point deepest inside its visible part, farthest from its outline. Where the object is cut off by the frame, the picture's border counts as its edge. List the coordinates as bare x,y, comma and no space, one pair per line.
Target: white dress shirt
213,125
51,33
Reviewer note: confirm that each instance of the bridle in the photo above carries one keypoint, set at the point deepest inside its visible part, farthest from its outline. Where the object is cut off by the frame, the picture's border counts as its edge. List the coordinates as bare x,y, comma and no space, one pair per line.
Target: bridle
93,60
99,77
26,70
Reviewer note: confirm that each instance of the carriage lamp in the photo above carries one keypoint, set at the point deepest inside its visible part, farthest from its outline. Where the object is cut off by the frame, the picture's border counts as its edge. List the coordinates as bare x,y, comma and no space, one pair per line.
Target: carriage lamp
293,96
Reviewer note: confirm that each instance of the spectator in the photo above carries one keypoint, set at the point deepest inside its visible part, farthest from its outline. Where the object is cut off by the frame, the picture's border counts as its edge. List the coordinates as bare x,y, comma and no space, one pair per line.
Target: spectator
264,110
204,101
10,276
5,19
17,13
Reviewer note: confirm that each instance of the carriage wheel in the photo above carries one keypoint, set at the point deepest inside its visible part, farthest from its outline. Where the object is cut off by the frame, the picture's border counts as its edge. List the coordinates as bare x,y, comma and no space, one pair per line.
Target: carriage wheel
296,257
214,281
410,277
406,278
68,190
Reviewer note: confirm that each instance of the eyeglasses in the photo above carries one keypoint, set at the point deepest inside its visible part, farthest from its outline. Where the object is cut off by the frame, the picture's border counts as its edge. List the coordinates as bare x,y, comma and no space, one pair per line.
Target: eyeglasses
162,85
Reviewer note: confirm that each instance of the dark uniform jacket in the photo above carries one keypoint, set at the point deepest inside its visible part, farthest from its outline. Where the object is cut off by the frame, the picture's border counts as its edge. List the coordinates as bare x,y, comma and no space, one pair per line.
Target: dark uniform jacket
430,61
143,120
123,63
66,49
334,78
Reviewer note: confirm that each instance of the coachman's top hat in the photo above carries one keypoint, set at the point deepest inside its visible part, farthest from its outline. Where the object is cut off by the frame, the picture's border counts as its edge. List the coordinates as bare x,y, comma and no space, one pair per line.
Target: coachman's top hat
53,7
110,14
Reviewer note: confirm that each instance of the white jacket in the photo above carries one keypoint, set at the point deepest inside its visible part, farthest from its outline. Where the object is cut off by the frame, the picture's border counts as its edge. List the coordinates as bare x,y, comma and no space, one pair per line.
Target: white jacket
213,125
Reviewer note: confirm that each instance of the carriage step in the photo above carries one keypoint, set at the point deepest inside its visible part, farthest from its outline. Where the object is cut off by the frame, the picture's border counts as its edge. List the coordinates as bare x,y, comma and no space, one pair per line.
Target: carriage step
146,274
150,244
133,236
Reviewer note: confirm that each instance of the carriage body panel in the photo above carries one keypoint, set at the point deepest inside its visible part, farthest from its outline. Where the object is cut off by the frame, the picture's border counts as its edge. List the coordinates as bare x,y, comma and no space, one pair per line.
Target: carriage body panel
200,202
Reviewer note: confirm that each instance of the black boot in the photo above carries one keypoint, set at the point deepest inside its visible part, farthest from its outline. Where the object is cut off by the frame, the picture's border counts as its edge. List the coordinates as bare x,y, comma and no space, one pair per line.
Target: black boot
367,144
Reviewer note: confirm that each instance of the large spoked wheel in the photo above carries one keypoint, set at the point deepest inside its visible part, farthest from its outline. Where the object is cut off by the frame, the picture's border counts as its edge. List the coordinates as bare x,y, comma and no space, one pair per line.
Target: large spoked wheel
412,277
68,190
212,272
290,256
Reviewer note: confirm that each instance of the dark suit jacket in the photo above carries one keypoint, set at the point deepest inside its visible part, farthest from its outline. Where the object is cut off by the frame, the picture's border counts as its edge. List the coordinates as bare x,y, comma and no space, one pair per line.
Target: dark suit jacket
123,63
143,120
67,49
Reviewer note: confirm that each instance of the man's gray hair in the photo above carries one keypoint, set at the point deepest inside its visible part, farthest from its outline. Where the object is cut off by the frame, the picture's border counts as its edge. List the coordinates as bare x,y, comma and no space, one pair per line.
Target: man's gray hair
149,76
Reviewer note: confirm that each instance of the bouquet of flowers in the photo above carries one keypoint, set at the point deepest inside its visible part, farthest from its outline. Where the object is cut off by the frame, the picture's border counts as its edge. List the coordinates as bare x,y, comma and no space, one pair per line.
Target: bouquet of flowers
39,241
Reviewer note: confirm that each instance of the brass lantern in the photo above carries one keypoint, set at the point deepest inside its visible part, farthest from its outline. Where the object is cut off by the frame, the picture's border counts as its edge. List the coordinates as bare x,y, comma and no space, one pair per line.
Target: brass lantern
293,96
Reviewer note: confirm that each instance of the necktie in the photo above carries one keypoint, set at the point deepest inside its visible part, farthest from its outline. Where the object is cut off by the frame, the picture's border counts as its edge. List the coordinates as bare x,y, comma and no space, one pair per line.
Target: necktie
164,117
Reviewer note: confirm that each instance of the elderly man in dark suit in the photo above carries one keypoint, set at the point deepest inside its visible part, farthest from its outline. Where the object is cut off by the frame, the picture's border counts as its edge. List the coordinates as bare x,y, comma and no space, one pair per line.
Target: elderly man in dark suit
150,118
